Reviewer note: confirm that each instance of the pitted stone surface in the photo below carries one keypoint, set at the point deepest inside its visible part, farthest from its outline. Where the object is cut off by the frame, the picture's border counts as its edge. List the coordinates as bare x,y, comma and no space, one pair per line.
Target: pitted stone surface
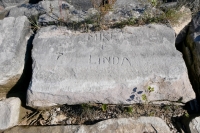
9,112
11,3
14,33
116,66
122,125
194,125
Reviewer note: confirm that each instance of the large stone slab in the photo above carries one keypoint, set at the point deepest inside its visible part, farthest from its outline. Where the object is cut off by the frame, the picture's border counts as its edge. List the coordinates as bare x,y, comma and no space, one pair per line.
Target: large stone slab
14,33
9,112
122,125
117,66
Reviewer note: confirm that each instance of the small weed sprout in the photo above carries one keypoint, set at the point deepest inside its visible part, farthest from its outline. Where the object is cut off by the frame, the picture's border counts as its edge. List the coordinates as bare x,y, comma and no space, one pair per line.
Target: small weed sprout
129,109
144,97
34,24
154,2
173,16
186,115
85,106
167,107
104,107
102,8
150,89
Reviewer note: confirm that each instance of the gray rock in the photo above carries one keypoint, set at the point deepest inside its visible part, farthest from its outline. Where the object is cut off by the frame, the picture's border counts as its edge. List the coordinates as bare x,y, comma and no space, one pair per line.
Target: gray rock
28,10
194,125
194,5
11,3
116,66
84,4
52,11
3,13
14,33
122,125
9,112
60,10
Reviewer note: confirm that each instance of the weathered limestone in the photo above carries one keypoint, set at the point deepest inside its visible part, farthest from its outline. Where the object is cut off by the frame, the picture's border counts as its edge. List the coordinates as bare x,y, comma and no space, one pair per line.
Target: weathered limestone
14,33
191,53
9,112
11,3
69,11
194,125
182,26
192,4
183,21
29,10
122,125
116,66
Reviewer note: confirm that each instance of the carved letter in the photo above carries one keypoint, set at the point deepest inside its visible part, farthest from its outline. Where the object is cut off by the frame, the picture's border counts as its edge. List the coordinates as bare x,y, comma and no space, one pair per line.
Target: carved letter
90,37
125,59
99,60
105,37
105,58
115,60
90,60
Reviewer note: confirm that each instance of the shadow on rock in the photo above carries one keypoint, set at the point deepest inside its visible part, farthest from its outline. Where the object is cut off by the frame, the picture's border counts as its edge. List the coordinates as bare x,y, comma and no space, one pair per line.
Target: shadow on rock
20,89
183,123
34,1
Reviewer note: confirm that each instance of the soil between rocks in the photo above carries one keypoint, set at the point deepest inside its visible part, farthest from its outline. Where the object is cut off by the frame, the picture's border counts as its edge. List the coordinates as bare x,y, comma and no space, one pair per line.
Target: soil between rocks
88,114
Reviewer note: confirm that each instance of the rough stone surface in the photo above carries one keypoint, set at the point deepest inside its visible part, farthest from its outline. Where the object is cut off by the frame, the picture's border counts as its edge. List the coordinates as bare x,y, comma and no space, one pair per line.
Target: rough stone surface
194,125
9,112
75,11
123,125
83,4
116,66
3,12
14,33
10,3
191,52
183,21
194,5
182,25
28,10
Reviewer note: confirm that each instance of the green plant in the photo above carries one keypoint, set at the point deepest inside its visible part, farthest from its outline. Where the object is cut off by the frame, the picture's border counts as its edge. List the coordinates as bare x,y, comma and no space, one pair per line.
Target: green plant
103,7
166,107
152,114
186,115
129,109
173,16
34,23
85,106
150,89
154,2
144,97
104,107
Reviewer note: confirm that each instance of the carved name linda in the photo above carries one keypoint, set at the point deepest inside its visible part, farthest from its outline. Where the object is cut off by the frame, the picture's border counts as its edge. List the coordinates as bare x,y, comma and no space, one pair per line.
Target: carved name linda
111,60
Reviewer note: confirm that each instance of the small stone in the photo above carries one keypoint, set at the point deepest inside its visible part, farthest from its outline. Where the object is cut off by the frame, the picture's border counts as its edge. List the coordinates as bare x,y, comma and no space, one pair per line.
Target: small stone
61,117
58,109
9,112
46,115
69,121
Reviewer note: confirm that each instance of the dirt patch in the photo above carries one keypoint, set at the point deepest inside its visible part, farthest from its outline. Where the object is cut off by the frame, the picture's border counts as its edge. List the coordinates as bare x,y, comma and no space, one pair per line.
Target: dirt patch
88,114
